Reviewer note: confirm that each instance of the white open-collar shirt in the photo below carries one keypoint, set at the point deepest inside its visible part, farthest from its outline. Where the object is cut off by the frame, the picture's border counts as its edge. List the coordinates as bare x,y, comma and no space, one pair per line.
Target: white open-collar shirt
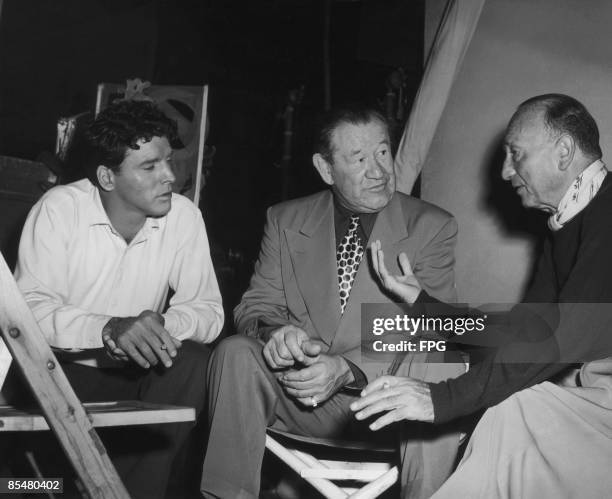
76,272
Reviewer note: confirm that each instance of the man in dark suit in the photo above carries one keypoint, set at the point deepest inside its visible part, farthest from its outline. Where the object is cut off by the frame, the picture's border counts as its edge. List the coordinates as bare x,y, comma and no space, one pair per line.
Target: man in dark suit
548,383
297,363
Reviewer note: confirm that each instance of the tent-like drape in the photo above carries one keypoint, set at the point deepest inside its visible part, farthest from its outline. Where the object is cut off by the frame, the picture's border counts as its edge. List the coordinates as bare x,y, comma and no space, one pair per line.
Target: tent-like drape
449,47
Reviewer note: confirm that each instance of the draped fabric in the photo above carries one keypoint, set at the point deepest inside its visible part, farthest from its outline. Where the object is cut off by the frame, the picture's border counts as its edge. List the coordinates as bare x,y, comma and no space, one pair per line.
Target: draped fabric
551,440
449,47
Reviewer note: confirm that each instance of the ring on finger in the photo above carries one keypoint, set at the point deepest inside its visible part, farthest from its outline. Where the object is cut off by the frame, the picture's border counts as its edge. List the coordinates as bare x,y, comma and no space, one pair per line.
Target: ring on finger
163,347
314,401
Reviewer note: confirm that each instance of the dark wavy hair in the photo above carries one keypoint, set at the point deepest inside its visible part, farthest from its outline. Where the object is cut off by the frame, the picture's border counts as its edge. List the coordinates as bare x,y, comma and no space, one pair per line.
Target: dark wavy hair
564,114
354,114
120,126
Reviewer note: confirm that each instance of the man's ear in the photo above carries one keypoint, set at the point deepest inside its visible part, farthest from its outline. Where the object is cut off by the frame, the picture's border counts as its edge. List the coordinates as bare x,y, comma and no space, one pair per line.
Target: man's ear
106,178
324,168
566,148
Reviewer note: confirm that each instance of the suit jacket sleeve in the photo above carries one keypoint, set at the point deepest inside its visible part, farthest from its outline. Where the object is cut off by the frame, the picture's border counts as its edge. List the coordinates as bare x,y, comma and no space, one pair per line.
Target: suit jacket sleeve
264,301
579,332
434,267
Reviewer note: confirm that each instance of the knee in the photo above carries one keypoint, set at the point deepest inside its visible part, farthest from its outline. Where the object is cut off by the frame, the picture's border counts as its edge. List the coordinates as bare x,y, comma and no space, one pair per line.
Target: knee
193,350
192,356
236,348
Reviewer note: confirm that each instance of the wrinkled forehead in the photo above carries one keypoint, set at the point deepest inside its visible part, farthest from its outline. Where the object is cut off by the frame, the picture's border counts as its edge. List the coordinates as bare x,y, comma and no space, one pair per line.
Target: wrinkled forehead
348,137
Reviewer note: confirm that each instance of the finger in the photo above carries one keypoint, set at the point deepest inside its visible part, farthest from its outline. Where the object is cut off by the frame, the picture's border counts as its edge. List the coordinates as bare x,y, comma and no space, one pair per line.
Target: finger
382,269
299,385
374,252
177,343
136,357
109,342
153,345
282,351
404,263
136,342
280,360
380,383
164,345
372,398
303,393
118,358
147,352
306,374
117,351
380,405
311,348
271,357
153,341
268,358
274,360
293,345
386,419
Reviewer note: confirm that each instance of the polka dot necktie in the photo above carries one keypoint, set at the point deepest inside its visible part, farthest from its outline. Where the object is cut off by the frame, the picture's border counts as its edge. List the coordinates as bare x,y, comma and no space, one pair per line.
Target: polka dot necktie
348,256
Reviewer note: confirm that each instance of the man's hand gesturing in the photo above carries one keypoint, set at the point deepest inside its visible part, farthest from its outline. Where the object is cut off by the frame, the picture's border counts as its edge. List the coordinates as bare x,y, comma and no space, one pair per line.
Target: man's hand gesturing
142,339
406,286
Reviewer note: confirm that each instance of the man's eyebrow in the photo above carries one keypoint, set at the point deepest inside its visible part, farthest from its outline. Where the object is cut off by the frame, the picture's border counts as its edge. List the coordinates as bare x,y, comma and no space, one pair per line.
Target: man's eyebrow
154,159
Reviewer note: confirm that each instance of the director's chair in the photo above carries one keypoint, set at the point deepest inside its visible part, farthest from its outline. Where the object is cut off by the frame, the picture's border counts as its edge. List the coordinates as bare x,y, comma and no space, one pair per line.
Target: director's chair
355,479
61,411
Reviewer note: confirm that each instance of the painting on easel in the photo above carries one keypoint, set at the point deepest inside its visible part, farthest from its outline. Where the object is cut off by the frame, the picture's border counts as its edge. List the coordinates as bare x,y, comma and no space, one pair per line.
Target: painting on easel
185,104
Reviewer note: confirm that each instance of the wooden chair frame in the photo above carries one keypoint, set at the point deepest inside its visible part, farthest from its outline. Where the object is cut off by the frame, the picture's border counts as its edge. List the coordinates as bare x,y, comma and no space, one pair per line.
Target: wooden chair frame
71,422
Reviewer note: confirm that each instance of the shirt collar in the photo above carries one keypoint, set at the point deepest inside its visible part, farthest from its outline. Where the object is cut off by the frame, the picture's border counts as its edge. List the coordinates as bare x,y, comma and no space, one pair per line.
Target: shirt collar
343,216
98,216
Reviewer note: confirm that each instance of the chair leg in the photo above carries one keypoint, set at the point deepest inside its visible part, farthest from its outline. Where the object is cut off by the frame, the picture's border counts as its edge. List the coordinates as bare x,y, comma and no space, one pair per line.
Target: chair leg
378,486
325,487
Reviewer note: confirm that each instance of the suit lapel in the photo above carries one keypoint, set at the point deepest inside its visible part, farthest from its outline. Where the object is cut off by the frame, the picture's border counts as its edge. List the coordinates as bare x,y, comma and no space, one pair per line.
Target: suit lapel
391,226
313,255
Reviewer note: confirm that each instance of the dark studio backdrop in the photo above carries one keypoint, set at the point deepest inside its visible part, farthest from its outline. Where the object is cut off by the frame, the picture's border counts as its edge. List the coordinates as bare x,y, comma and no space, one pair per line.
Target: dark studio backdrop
252,54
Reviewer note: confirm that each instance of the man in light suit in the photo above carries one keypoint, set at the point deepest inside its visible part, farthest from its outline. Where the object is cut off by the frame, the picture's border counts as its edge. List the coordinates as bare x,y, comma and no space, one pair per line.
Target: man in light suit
297,364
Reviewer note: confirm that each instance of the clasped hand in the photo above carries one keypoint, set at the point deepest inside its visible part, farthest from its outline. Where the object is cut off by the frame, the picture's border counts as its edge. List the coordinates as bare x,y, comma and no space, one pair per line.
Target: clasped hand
142,339
303,371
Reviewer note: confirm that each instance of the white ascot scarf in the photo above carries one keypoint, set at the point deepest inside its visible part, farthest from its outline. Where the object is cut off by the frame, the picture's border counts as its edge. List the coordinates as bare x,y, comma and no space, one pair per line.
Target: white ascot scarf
580,193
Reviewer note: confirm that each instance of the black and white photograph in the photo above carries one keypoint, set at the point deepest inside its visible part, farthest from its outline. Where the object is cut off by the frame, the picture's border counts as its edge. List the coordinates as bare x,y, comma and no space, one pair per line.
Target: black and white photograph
305,249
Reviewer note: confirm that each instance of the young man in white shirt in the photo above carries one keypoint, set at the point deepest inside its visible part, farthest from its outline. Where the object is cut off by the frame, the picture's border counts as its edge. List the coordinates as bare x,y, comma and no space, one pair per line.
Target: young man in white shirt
97,261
